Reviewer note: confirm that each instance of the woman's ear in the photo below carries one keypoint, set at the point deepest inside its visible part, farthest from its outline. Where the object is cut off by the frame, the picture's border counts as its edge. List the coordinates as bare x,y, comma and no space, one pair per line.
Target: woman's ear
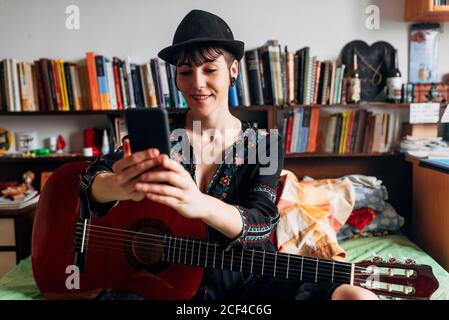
234,70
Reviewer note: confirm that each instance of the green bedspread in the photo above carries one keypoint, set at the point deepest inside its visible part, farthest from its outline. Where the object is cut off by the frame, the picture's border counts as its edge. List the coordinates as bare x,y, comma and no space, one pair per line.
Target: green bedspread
18,284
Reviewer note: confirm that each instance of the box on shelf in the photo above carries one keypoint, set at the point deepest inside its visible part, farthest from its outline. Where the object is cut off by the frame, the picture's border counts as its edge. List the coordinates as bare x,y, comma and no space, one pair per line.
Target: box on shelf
420,130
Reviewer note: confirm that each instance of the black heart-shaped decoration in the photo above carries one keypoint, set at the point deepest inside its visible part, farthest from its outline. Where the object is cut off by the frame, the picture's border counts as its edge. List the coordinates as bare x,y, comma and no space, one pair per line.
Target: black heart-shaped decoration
374,64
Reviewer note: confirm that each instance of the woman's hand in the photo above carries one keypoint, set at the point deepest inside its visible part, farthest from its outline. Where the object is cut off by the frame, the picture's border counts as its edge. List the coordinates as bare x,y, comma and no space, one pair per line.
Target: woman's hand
127,171
174,187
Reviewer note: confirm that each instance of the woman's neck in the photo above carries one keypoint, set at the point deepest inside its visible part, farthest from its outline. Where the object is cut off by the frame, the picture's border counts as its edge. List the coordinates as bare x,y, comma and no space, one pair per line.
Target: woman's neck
221,119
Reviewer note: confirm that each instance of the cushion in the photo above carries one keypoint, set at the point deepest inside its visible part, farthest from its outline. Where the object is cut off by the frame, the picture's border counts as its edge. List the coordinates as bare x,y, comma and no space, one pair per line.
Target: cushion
387,220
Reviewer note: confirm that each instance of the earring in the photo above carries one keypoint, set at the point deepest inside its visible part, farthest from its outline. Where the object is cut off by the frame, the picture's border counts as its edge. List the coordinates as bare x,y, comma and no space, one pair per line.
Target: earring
233,81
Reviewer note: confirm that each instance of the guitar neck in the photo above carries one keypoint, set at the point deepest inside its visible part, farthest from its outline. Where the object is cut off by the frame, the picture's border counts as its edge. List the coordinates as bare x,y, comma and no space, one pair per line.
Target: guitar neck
273,264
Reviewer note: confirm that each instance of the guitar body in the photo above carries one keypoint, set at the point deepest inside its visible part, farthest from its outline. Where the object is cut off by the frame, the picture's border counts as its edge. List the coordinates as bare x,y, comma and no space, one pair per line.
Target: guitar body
114,259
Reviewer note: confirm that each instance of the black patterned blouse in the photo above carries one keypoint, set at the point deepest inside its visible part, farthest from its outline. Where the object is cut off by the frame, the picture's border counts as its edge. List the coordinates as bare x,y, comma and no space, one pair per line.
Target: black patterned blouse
239,180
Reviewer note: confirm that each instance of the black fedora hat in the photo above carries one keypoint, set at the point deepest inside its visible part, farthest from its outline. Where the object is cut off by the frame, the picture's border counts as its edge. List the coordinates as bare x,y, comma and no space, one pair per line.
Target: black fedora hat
199,27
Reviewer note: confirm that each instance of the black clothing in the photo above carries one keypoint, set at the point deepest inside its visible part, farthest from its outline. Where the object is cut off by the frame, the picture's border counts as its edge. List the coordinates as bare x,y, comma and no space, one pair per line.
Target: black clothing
240,181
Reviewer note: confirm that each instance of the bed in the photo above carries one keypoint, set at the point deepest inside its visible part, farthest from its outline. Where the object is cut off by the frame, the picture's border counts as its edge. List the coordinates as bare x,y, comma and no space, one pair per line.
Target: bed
19,284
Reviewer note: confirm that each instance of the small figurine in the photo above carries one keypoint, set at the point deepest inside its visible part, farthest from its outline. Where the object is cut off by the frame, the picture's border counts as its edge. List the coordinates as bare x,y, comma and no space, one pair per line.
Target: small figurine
434,94
60,144
28,178
18,192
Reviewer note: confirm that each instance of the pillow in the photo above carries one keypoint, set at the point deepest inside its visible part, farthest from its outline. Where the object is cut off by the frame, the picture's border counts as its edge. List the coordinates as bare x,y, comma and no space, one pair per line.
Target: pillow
387,220
369,191
311,213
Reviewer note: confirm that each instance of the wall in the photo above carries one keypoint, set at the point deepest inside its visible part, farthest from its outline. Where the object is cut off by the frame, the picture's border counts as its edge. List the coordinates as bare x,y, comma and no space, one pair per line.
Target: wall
140,28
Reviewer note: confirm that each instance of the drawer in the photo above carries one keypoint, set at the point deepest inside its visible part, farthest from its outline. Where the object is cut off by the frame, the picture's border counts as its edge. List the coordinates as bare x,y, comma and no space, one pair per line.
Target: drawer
7,233
7,261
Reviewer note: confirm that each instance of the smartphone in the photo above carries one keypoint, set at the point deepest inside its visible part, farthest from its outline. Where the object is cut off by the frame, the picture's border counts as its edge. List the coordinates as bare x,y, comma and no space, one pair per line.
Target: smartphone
148,128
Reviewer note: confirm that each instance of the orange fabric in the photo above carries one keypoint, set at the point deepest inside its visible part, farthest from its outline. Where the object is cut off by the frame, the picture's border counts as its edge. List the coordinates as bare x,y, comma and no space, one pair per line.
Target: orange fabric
311,215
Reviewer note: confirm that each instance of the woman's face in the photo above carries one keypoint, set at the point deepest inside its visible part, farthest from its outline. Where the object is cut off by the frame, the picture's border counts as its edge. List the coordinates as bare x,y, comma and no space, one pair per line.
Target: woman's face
206,87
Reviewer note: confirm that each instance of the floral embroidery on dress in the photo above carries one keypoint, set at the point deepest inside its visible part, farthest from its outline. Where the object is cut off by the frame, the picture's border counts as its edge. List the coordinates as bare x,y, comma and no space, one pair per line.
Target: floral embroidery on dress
225,181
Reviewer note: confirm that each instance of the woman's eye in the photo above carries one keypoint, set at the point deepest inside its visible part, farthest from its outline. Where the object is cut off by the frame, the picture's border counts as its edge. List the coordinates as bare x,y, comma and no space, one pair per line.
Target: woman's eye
185,73
210,70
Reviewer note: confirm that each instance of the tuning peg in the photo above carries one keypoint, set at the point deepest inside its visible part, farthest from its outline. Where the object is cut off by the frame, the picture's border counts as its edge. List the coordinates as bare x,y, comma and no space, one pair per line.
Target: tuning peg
409,261
391,259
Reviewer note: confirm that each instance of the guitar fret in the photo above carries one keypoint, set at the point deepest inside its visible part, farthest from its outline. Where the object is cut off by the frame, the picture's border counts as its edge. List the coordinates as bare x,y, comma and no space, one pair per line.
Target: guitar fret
222,259
199,253
275,261
241,261
193,246
174,250
207,252
215,251
180,250
316,271
302,265
163,251
232,257
288,264
185,253
169,247
333,270
252,260
263,262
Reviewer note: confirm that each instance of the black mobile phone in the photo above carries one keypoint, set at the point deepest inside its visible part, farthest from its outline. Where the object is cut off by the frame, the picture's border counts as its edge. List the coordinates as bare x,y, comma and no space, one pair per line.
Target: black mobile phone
148,128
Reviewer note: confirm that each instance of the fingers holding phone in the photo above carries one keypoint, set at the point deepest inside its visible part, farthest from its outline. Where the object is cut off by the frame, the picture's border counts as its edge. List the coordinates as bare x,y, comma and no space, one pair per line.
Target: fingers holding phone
127,170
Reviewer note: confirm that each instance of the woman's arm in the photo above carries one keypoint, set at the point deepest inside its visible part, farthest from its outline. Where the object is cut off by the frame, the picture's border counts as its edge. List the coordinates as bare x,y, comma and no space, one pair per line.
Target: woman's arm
248,224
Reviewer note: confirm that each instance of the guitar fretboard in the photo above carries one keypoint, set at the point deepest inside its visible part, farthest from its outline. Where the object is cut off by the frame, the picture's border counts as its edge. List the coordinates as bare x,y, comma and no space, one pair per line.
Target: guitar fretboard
258,262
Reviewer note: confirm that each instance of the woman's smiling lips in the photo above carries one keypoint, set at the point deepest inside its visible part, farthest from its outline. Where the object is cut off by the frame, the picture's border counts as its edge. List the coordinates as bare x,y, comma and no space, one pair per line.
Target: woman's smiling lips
201,98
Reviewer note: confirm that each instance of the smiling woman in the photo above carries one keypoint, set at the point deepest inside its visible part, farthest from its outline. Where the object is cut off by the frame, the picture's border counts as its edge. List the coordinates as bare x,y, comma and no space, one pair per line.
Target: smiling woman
204,74
236,196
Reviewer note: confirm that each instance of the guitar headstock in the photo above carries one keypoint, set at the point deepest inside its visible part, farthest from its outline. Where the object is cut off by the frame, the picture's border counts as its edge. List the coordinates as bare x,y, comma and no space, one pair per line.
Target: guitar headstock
396,279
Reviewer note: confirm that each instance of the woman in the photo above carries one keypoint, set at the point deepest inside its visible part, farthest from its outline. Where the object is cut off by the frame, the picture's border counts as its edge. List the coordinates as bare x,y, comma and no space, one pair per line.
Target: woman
233,196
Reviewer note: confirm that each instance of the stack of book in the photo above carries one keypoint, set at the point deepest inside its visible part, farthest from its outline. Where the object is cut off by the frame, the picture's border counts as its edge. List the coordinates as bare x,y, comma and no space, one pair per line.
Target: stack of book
359,131
96,83
277,77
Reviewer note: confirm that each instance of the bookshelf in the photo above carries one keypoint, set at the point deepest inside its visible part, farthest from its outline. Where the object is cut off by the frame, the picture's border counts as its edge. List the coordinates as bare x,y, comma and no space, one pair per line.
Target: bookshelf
426,11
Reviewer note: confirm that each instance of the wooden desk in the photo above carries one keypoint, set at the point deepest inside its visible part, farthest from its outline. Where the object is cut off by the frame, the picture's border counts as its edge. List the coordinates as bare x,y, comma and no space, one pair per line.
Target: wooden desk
15,236
431,211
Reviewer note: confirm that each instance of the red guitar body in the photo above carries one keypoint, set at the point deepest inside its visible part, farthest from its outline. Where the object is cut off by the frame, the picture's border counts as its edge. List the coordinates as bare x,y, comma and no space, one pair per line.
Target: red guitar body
121,265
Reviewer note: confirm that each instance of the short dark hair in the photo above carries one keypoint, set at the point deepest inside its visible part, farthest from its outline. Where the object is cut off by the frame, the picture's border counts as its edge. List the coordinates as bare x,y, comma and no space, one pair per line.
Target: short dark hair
197,55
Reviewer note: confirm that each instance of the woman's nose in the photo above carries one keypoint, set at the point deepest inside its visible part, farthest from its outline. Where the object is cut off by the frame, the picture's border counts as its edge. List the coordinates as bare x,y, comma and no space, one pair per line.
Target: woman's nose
199,81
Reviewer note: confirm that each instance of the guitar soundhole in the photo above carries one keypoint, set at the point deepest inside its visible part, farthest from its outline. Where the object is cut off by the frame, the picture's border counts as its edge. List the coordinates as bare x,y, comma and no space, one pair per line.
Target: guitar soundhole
145,250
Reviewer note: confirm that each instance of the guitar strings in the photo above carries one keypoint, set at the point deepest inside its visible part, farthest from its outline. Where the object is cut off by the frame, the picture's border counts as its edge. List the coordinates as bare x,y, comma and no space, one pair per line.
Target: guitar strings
244,258
163,243
295,272
148,235
314,261
357,280
321,278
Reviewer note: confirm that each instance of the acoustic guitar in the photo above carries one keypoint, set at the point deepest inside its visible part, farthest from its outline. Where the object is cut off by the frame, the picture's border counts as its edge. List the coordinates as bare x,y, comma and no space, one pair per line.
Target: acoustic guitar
151,250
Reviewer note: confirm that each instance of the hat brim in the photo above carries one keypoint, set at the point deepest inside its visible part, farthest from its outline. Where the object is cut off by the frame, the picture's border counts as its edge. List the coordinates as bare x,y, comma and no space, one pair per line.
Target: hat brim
237,48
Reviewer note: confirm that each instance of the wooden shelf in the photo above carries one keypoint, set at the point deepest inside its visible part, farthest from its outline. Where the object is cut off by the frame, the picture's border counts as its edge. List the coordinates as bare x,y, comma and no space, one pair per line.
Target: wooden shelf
117,112
385,105
425,11
340,155
64,158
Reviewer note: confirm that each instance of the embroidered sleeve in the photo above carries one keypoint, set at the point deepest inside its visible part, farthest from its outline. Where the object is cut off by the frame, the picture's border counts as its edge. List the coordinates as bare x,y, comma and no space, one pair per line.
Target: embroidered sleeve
100,165
259,212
